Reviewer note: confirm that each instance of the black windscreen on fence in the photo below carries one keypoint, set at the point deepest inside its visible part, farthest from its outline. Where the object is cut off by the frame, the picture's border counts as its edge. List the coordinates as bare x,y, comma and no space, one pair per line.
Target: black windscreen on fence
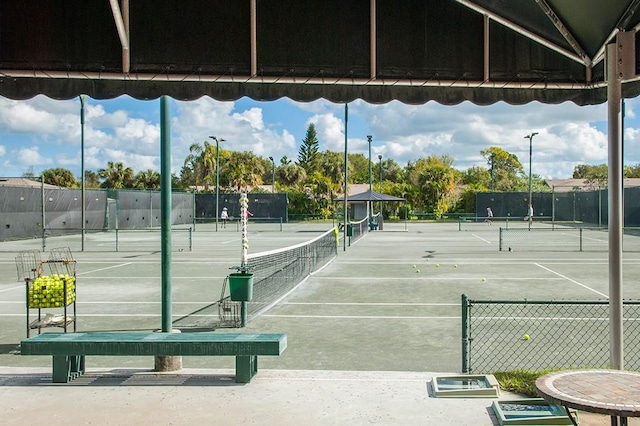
588,207
263,205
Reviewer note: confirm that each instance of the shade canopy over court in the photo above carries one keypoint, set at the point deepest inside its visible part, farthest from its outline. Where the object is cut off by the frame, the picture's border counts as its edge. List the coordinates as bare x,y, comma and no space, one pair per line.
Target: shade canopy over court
374,196
414,51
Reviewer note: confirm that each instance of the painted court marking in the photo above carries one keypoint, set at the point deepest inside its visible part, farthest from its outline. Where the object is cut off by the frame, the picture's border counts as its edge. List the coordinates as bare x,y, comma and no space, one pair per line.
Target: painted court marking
572,280
105,268
481,239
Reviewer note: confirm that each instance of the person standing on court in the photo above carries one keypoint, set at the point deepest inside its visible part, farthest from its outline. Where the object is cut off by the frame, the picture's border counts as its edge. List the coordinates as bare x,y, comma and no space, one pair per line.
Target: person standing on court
224,216
489,216
530,214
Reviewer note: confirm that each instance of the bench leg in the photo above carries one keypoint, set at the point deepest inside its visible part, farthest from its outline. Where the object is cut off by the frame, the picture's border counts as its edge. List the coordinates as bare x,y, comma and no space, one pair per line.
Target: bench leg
246,368
67,367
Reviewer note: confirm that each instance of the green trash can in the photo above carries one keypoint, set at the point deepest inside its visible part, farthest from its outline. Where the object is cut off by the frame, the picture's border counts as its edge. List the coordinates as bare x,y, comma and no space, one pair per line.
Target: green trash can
349,230
241,287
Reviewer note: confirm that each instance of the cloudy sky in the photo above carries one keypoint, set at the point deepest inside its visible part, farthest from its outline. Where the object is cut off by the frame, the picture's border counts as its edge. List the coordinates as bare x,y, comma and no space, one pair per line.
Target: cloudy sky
42,133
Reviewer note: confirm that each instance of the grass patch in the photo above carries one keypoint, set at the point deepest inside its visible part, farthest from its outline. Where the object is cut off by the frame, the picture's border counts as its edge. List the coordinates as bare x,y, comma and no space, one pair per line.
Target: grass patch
520,381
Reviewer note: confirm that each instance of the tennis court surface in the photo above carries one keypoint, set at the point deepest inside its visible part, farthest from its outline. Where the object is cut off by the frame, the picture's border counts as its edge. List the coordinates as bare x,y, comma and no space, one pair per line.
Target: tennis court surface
389,303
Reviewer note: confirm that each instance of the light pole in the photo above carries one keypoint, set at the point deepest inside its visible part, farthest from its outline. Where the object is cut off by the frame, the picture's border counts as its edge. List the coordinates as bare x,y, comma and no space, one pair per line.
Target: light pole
530,137
369,205
218,140
380,180
273,175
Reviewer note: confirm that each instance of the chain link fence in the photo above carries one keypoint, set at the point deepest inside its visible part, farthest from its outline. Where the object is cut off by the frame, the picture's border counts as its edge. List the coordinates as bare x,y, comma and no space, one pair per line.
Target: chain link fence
503,335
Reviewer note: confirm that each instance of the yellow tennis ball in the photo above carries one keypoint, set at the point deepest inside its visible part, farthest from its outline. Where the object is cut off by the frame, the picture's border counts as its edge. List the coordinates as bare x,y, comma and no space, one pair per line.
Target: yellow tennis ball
483,279
417,271
414,266
437,265
526,337
455,266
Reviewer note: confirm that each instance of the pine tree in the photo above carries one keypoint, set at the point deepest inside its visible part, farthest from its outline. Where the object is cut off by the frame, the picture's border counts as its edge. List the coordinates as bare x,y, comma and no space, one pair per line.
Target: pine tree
308,154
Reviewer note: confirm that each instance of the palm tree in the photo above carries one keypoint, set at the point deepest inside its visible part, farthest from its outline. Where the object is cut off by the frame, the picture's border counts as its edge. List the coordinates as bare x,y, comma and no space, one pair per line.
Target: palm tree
193,164
149,179
116,176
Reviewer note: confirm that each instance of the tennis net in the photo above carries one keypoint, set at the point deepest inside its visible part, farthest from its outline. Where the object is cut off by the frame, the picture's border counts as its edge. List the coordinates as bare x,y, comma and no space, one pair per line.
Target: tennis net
565,239
276,273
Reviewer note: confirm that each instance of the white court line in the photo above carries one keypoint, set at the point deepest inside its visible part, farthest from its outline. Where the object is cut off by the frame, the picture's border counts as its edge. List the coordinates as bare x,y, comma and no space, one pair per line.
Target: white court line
358,317
431,278
571,280
138,277
12,288
103,269
369,304
481,239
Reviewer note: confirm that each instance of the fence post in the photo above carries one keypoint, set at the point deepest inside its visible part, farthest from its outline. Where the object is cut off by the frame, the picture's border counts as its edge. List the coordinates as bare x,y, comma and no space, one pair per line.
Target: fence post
459,223
190,240
117,239
465,334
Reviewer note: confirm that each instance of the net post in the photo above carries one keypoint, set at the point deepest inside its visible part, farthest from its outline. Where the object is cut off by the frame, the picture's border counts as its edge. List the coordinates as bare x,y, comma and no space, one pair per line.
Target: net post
243,314
459,223
500,239
581,238
465,333
117,239
280,223
190,239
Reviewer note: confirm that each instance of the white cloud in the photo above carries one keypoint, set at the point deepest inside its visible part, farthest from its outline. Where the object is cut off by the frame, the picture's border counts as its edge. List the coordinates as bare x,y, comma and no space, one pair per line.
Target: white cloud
329,130
3,150
31,157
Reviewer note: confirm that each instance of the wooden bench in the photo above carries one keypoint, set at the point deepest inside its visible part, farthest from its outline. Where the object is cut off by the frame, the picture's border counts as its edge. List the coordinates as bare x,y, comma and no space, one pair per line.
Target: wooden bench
69,349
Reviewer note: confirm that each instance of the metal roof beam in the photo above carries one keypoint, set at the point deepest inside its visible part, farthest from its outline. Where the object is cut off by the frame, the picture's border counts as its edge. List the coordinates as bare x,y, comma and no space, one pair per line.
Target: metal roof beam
122,25
524,32
562,29
244,79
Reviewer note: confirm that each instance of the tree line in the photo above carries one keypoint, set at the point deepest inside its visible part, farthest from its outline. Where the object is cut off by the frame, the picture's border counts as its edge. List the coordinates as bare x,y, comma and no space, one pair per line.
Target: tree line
316,178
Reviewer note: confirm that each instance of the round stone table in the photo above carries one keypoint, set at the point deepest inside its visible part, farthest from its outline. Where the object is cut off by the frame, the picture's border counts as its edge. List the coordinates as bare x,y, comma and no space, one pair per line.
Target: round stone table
612,392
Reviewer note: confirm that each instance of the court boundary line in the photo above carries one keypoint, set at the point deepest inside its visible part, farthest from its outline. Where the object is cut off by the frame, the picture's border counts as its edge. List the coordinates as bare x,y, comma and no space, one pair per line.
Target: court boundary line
482,239
572,280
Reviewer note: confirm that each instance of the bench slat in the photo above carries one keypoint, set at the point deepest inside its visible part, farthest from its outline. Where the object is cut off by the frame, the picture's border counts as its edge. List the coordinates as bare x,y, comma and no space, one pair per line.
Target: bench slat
164,344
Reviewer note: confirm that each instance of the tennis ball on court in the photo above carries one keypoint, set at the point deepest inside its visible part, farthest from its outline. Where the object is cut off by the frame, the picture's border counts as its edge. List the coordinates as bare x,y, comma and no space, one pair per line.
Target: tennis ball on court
417,271
483,279
455,266
414,266
526,337
437,265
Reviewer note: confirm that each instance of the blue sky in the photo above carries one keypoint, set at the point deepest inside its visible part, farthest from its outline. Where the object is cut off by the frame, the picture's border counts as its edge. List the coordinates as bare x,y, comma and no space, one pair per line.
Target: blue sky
42,133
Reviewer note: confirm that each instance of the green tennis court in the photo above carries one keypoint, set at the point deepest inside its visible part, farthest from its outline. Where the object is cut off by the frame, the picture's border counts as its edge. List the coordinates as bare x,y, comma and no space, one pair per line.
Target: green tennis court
390,301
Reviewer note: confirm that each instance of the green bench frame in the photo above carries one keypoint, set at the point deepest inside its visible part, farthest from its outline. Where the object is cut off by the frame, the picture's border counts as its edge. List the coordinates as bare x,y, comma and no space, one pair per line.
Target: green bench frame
69,349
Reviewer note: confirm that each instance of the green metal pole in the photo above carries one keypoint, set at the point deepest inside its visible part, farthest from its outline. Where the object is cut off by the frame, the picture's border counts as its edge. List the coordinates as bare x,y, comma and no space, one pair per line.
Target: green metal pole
370,204
217,181
380,183
165,210
82,178
346,176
